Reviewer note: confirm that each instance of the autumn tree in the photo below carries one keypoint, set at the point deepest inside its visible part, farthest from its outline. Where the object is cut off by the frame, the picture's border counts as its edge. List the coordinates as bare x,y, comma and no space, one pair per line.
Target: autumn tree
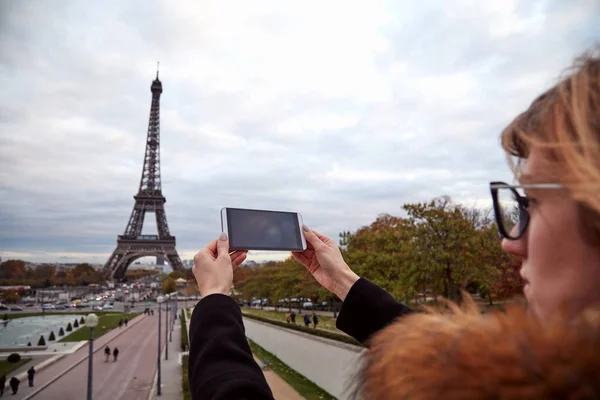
169,285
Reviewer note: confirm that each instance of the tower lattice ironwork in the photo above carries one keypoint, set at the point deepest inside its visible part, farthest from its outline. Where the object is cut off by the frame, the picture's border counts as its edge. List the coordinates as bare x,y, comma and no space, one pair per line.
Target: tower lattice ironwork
132,244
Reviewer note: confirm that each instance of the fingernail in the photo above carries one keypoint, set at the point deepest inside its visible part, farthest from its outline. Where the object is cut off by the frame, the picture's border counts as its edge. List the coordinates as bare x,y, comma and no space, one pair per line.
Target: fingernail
305,228
223,236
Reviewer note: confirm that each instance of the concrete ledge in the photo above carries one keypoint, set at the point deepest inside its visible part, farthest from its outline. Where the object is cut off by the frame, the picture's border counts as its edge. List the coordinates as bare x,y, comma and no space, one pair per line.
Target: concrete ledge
21,349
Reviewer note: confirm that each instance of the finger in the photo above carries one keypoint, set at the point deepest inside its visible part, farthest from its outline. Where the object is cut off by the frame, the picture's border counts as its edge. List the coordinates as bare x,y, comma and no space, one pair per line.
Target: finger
301,258
211,248
236,253
238,261
313,239
324,239
223,245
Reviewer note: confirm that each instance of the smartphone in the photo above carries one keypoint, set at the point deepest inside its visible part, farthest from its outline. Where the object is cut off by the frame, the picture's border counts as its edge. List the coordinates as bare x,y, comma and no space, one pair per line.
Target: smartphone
263,229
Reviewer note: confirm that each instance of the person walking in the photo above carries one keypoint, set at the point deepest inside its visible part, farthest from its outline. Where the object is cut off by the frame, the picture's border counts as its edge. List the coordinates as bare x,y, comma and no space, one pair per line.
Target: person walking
288,317
126,321
14,384
306,320
120,323
30,375
315,319
293,316
107,353
2,384
115,354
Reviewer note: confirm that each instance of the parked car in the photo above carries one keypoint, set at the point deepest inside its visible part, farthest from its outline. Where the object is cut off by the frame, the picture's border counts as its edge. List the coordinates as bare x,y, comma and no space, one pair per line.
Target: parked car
47,307
97,308
3,307
16,308
60,307
107,307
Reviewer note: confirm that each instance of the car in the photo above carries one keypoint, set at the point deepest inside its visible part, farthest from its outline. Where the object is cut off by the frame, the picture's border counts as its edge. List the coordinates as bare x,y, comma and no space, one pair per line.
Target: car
16,308
107,307
60,307
97,308
3,307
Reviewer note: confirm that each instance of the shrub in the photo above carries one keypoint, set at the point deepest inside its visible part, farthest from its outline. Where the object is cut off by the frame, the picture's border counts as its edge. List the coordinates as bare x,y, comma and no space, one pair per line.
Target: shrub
184,336
51,337
41,342
76,324
14,358
61,332
317,332
82,321
28,344
69,327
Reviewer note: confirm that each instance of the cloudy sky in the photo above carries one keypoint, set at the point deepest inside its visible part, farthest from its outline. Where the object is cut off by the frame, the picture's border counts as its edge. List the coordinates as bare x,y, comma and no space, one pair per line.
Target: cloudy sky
340,110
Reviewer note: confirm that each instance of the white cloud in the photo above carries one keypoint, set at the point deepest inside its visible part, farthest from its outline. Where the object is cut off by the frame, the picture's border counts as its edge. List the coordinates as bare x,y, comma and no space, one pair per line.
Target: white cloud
340,110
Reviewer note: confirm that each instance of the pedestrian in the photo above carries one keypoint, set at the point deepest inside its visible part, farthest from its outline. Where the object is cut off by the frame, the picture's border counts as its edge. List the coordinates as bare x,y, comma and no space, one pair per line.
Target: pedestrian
107,353
551,224
120,323
288,317
152,311
306,320
30,375
14,384
126,321
2,384
293,316
315,319
115,354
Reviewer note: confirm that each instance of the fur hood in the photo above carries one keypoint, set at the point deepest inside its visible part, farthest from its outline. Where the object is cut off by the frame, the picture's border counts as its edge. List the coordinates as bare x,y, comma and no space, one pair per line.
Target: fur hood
467,355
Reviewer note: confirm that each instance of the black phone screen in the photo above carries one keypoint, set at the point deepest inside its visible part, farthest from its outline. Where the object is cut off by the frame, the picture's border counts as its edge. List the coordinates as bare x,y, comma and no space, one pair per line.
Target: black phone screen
263,230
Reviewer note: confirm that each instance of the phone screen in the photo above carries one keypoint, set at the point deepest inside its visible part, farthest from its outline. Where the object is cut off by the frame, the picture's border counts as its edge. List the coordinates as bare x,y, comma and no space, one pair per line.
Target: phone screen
263,230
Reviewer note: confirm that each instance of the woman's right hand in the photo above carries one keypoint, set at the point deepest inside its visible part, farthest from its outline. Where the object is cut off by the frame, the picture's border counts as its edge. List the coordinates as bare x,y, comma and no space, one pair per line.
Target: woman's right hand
324,260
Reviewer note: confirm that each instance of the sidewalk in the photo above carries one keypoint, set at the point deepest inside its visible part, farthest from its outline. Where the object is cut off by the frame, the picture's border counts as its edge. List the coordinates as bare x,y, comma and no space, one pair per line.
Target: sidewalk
48,375
280,388
170,370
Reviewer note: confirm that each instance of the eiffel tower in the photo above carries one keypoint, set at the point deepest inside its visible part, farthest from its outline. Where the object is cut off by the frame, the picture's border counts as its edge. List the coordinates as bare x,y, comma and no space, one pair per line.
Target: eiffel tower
132,244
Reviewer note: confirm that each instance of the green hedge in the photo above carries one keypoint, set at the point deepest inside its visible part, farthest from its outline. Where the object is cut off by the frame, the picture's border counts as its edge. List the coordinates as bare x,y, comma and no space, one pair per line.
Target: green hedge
316,332
184,336
185,384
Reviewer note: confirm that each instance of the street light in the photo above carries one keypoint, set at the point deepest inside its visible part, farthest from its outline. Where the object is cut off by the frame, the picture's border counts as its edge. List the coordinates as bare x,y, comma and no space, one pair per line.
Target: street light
173,315
91,322
167,326
159,300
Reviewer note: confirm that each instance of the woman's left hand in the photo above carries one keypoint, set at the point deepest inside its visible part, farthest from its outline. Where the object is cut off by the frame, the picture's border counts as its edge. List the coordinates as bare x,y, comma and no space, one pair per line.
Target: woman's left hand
214,266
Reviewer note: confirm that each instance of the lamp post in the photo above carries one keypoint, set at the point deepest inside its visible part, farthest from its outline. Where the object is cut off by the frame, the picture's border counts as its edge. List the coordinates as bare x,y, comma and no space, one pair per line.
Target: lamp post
91,322
159,300
174,314
167,326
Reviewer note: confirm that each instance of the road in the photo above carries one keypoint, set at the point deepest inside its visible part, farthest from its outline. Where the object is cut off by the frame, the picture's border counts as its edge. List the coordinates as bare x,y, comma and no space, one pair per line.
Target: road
128,378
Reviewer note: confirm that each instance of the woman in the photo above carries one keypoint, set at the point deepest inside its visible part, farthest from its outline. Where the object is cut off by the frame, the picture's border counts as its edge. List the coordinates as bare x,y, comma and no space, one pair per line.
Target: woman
554,351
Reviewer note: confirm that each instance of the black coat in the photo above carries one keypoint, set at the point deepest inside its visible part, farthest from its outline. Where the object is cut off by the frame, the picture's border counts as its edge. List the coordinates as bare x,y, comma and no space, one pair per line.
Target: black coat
221,365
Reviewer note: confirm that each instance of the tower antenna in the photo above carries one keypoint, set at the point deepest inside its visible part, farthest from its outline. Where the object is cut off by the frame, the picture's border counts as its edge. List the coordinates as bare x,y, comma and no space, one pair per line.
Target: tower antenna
157,65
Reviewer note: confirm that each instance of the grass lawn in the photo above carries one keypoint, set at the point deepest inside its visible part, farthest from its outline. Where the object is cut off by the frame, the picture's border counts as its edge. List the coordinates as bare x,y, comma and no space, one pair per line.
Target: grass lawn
303,386
107,322
325,323
6,367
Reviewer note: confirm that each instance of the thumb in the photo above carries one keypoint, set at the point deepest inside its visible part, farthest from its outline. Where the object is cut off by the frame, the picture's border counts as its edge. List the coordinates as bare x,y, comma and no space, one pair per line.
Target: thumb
312,238
223,245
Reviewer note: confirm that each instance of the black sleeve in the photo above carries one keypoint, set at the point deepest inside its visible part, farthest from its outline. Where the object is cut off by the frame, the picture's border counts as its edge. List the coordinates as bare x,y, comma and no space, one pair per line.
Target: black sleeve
221,365
368,309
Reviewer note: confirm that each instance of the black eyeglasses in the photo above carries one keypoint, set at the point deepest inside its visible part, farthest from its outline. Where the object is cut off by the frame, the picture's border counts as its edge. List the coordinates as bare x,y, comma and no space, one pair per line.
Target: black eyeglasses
510,207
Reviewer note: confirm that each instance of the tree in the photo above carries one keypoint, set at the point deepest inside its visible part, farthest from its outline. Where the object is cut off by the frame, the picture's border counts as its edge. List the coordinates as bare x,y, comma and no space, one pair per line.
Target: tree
69,327
169,286
41,342
51,337
13,269
76,324
61,332
81,320
11,297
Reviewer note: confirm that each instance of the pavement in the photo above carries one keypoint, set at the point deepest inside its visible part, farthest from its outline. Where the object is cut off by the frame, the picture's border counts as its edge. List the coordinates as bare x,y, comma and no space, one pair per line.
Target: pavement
281,389
67,377
170,369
